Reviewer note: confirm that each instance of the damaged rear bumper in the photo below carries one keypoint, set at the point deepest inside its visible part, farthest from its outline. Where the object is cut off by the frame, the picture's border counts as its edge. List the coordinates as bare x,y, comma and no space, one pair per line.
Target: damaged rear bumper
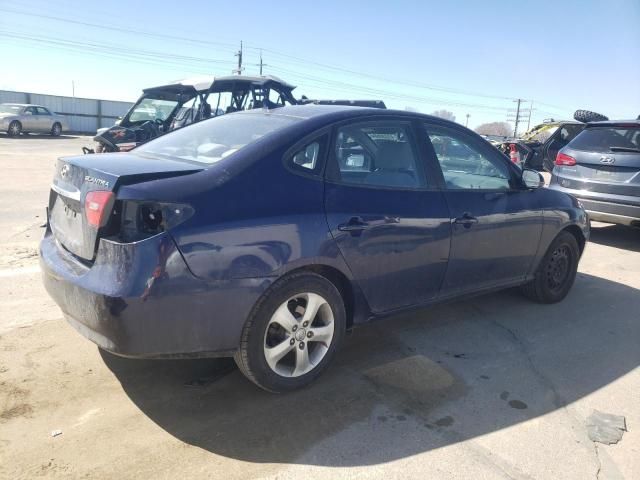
140,299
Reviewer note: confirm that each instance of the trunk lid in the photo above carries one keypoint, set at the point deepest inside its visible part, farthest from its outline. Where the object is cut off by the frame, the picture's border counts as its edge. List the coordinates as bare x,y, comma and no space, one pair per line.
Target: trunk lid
76,176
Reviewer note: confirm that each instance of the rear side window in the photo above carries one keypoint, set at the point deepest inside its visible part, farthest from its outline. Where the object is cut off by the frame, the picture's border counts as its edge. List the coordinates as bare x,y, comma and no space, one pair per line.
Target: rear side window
43,111
378,153
607,139
465,163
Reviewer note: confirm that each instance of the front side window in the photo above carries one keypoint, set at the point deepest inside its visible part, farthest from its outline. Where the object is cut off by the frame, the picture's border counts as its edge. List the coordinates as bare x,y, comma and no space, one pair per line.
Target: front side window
466,164
380,153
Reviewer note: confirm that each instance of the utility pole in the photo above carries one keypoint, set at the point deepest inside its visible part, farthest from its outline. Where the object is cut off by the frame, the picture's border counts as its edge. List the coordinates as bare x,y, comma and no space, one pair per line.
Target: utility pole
73,88
239,55
517,116
261,63
466,124
515,130
529,119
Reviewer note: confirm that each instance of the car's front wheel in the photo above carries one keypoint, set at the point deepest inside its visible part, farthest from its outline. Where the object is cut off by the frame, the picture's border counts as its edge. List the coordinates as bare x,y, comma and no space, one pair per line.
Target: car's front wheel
556,272
292,333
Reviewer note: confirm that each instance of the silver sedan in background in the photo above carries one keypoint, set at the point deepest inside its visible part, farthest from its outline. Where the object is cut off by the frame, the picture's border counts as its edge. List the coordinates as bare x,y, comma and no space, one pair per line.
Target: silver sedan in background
17,118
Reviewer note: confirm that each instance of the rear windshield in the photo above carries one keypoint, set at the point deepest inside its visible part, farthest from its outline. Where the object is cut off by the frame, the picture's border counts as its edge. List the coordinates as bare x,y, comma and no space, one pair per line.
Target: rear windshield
212,140
607,139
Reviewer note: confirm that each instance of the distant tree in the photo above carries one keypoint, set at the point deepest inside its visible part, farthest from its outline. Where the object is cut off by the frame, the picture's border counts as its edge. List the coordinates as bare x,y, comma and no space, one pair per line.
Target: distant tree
446,114
502,129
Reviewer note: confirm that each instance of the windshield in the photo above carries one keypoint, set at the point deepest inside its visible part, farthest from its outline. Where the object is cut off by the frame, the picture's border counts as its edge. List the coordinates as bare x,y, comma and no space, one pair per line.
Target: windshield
540,134
152,109
212,140
15,109
608,139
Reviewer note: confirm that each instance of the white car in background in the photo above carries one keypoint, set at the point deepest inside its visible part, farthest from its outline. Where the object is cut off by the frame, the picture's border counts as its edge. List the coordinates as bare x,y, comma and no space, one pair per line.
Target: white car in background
17,118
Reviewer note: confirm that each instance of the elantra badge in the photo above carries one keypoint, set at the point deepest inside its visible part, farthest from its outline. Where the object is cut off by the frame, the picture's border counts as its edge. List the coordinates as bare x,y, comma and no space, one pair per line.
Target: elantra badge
607,160
97,181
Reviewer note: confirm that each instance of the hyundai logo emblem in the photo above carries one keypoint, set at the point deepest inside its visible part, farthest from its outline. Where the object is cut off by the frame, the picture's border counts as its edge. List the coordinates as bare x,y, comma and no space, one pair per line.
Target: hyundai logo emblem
607,160
64,170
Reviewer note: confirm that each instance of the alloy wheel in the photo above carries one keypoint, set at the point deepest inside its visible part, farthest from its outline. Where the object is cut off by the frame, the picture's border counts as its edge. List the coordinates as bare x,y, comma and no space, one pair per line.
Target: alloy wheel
14,129
299,335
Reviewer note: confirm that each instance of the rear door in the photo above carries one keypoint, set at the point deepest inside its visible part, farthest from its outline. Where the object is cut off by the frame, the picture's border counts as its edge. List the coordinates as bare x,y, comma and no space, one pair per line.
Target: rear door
44,119
607,160
496,224
389,221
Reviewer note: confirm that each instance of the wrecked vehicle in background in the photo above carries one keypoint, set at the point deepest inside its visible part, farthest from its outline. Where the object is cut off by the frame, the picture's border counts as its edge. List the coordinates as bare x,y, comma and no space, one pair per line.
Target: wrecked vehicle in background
538,147
168,107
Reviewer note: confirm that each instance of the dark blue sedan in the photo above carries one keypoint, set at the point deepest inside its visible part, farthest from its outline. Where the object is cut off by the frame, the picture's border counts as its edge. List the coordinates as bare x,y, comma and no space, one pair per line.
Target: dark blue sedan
266,235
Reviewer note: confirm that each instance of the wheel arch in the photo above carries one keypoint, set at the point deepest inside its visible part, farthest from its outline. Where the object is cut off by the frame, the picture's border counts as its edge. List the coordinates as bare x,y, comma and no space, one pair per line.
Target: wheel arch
577,232
356,307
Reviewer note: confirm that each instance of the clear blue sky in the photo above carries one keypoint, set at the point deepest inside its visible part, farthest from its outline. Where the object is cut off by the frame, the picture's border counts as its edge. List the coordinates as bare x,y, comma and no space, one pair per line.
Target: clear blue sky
468,57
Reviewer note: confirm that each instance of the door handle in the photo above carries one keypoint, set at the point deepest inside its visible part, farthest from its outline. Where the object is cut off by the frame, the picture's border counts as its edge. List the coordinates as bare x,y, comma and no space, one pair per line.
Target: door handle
466,220
354,224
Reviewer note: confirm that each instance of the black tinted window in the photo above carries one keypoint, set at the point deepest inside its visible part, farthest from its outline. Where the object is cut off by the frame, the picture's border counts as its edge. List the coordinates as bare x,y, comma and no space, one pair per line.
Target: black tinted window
380,153
602,139
466,163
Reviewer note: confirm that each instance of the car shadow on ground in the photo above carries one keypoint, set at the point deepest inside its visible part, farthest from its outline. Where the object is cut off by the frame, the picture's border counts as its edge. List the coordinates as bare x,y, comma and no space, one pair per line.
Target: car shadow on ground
407,384
618,236
31,136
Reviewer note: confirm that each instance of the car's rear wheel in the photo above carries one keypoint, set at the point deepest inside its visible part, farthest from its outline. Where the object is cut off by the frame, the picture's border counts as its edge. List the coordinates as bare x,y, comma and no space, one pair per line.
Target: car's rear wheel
556,272
15,128
56,130
292,333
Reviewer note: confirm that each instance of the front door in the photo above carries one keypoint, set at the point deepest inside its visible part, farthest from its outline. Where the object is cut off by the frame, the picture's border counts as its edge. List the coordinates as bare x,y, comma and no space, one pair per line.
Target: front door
390,224
496,222
29,120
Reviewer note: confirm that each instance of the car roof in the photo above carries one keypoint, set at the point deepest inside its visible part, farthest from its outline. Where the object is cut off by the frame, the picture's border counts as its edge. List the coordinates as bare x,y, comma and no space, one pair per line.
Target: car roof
23,105
605,123
335,112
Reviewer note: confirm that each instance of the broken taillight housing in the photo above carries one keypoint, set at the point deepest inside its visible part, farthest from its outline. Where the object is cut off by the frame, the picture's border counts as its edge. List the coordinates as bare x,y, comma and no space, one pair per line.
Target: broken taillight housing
140,219
97,205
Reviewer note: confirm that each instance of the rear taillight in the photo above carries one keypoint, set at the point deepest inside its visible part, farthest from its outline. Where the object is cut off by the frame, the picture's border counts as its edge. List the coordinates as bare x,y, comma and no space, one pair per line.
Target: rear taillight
142,219
564,159
97,204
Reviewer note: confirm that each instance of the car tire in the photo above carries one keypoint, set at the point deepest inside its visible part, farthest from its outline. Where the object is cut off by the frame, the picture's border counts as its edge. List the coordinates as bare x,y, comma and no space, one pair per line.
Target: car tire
557,271
56,130
588,116
279,350
15,129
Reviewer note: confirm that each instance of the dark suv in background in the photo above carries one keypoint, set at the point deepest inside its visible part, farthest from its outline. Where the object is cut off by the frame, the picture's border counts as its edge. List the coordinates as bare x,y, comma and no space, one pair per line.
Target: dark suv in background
601,167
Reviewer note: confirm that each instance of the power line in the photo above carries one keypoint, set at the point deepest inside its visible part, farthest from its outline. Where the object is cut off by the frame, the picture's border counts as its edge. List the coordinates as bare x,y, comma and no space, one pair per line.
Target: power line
273,52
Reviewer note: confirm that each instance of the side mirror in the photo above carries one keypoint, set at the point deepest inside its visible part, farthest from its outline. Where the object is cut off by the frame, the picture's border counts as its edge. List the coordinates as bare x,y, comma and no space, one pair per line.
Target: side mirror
532,178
